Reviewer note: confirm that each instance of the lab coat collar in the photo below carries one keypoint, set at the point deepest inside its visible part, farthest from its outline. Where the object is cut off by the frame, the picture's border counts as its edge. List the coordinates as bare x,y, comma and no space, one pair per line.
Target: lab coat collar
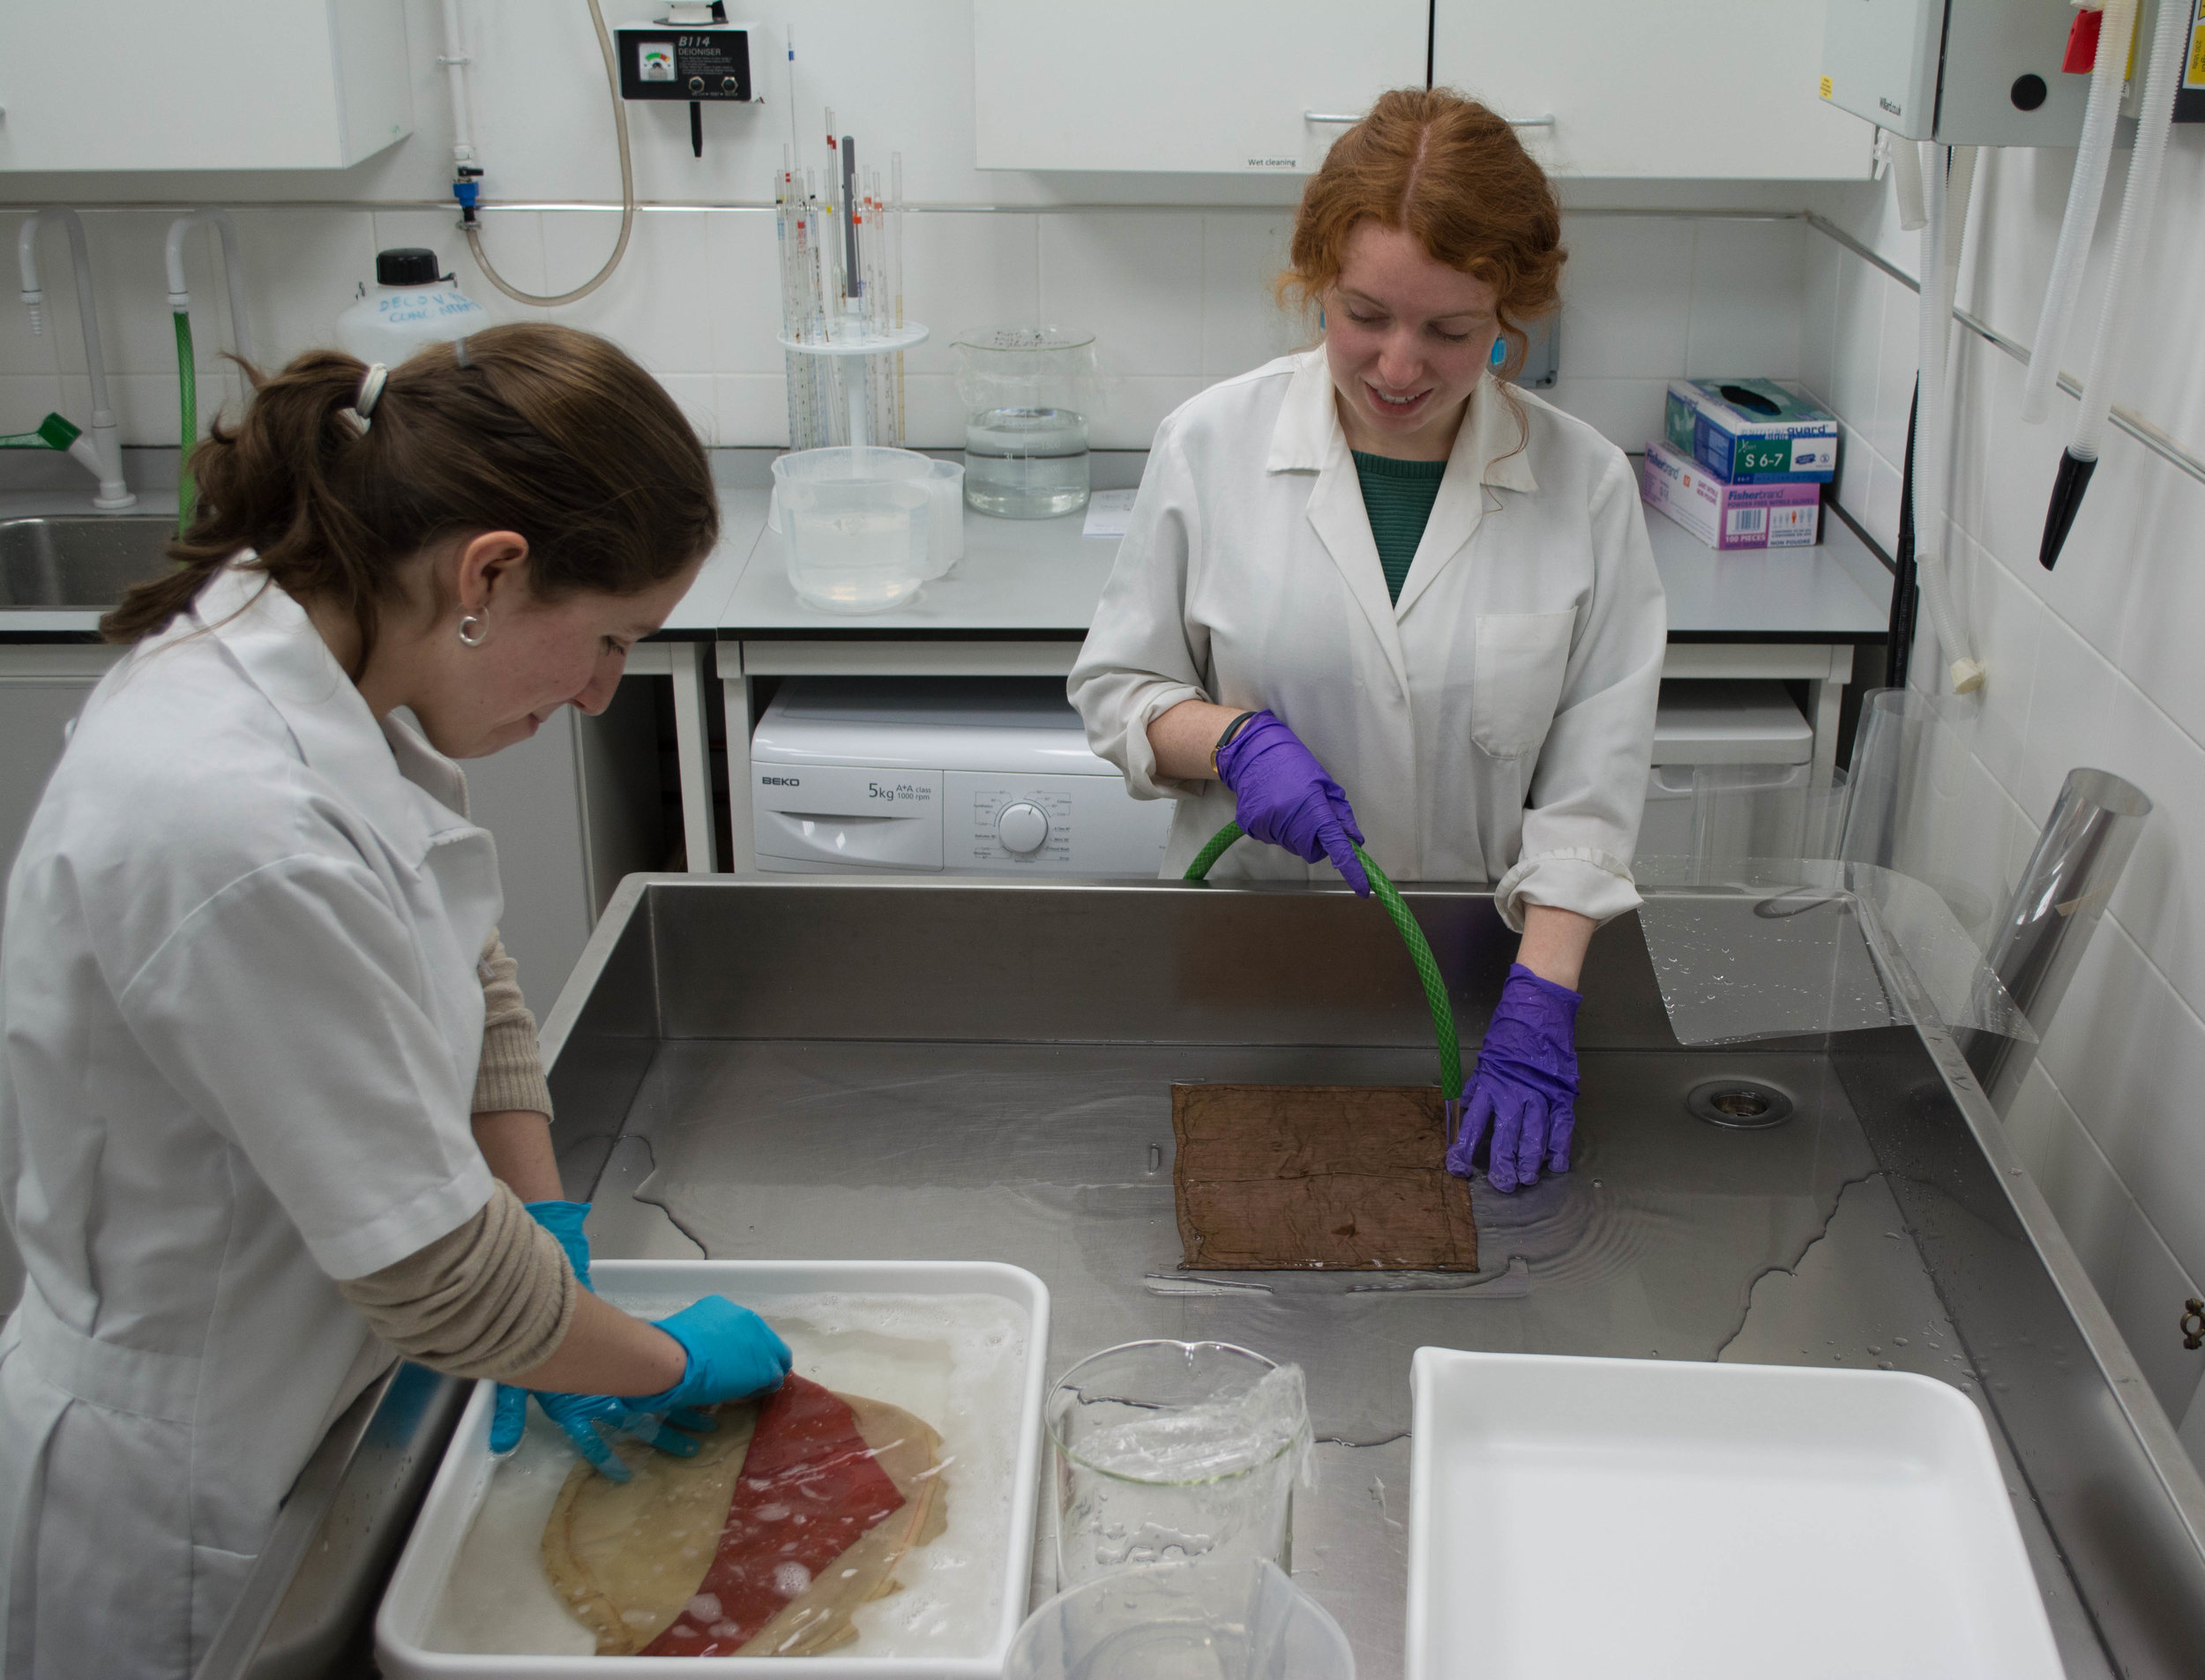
1488,454
1488,449
410,793
1308,438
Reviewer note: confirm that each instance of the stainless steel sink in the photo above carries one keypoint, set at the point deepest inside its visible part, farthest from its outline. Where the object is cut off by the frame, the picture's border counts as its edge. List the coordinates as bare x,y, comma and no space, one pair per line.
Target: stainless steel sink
80,562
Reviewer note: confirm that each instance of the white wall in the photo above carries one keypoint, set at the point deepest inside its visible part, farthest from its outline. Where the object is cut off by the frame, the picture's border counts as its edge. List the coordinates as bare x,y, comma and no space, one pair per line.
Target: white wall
1172,272
2098,662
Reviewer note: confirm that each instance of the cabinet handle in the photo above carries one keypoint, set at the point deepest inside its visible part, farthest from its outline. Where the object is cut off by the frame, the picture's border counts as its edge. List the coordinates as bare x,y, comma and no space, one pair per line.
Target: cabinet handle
1513,122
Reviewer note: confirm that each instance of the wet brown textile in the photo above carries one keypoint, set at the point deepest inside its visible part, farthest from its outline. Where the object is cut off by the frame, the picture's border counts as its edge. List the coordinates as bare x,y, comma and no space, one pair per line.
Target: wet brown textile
1272,1178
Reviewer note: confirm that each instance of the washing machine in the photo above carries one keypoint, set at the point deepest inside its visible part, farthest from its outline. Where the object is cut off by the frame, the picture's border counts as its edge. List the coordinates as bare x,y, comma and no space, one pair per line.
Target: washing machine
948,775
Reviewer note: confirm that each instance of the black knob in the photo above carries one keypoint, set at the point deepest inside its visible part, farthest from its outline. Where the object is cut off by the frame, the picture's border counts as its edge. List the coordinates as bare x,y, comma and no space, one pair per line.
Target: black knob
727,83
2028,93
697,85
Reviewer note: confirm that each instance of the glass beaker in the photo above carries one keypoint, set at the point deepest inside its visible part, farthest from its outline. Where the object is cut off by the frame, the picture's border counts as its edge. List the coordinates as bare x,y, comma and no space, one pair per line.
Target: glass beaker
1029,394
1173,1450
1204,1621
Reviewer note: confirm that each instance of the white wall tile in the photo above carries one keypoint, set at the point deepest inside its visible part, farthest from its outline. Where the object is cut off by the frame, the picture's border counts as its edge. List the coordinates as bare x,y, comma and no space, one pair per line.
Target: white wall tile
970,270
1134,408
2005,621
2129,1056
1134,280
2157,566
751,410
302,269
2085,1194
1626,297
2161,899
1897,353
1882,516
2149,1286
741,302
1858,348
26,398
1856,465
1627,412
1748,279
2070,704
1243,324
658,305
1818,316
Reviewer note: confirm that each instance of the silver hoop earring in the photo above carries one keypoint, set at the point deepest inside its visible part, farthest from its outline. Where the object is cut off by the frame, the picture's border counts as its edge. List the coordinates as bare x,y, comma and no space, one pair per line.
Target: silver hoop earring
472,630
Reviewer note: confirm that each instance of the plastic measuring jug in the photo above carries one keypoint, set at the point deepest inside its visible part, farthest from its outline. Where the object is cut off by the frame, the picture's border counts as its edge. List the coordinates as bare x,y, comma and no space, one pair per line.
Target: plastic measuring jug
1171,1450
1199,1621
854,526
945,512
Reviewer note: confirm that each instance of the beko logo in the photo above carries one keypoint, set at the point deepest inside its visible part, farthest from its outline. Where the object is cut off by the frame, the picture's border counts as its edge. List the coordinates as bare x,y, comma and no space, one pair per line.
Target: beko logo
1889,106
780,781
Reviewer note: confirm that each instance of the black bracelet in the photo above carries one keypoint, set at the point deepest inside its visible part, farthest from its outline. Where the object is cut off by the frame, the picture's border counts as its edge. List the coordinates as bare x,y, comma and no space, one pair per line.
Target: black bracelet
1224,740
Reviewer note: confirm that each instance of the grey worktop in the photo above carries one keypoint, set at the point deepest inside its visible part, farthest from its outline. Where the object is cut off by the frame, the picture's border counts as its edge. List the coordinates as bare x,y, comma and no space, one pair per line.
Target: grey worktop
1041,579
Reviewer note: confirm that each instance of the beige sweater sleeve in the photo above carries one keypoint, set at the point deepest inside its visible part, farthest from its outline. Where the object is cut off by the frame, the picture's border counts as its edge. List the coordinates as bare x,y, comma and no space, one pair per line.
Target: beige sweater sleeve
491,1299
511,1075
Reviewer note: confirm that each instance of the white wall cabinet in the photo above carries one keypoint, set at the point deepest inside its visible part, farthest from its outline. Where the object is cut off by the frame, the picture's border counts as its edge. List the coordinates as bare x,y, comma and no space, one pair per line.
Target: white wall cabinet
201,83
1720,89
1226,86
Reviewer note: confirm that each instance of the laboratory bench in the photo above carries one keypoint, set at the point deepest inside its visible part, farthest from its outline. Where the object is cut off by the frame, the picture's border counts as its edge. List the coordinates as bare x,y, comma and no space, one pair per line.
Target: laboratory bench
569,807
1019,602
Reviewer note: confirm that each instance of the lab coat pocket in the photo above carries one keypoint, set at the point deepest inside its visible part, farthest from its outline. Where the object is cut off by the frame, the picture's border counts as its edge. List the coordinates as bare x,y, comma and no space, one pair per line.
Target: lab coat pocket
217,1578
1522,660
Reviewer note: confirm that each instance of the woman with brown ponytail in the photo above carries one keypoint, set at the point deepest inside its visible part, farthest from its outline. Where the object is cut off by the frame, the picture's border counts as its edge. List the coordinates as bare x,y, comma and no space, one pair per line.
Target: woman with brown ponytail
270,1106
1378,571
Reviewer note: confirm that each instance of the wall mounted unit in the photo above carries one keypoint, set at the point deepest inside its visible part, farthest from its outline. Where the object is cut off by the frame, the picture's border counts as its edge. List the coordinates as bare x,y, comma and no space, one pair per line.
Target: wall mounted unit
146,85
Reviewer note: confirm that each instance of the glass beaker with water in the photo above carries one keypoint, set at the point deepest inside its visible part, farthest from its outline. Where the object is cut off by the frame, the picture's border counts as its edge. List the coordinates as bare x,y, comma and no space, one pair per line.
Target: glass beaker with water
1029,393
1171,1450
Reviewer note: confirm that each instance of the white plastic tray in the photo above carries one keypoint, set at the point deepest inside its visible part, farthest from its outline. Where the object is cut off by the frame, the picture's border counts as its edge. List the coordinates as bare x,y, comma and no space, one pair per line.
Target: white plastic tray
1607,1517
417,1584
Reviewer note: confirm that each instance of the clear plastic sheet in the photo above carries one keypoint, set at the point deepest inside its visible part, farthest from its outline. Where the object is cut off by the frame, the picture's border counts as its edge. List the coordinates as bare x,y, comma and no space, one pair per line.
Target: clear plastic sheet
1749,948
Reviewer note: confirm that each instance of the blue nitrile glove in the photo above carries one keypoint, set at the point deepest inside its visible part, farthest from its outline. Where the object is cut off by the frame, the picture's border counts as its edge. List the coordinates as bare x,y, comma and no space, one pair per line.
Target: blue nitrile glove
732,1352
1283,796
1525,1088
580,1415
565,1221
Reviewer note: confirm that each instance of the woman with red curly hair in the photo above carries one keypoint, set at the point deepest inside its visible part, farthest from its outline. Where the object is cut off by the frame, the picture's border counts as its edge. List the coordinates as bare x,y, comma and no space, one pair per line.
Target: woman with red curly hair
1379,569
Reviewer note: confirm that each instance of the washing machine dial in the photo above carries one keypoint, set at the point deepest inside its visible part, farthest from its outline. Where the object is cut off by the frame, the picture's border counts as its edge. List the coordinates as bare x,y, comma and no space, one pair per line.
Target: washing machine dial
1022,828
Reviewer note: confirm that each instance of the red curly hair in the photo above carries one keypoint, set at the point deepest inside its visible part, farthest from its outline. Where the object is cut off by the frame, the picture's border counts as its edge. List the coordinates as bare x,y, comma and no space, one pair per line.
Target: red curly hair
1453,175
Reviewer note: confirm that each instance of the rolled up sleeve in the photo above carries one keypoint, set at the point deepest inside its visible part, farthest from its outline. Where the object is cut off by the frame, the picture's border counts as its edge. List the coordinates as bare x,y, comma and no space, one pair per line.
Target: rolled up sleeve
1581,826
1142,657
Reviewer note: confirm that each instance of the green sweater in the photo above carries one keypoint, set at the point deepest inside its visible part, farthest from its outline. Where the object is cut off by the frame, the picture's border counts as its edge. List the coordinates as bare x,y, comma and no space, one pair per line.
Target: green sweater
1398,497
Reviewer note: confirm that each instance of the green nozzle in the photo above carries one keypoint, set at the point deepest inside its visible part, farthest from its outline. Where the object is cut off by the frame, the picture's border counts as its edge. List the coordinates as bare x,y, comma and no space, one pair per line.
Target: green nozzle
53,432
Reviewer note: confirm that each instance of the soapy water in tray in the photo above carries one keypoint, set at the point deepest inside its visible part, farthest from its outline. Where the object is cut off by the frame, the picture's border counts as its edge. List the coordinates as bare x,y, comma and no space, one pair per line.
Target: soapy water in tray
956,1361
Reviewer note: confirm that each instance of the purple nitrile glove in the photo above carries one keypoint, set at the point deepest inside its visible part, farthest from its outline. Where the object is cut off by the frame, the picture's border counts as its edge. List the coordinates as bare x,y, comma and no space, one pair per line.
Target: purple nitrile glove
1283,796
1525,1088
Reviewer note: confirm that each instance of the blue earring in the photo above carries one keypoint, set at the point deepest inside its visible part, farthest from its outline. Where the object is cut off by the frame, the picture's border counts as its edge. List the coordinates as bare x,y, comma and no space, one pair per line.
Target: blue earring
1500,352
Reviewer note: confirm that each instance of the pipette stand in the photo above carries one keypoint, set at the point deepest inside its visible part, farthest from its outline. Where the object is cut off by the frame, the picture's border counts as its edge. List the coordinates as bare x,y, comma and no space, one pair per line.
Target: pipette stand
849,335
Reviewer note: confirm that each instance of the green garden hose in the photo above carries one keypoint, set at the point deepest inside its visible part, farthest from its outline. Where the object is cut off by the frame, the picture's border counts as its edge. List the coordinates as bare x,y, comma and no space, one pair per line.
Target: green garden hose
1412,935
188,426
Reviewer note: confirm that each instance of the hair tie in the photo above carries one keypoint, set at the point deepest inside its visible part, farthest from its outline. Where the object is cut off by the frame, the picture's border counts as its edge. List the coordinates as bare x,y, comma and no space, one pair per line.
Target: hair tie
460,356
364,399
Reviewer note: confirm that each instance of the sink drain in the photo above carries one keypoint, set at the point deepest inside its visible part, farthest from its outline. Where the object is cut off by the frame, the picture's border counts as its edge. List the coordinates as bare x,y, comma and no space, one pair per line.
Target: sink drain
1742,1105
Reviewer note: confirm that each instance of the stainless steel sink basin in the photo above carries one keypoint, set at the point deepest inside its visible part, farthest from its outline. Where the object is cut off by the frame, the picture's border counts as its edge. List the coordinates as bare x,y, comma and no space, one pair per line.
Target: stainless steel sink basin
81,562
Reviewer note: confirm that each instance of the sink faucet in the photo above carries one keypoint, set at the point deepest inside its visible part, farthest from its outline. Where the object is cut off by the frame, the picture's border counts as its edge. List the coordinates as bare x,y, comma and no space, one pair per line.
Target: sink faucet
107,446
232,275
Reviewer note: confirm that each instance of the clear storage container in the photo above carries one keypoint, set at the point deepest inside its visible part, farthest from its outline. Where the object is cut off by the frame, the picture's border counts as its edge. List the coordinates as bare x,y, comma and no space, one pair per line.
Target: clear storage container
1029,394
855,524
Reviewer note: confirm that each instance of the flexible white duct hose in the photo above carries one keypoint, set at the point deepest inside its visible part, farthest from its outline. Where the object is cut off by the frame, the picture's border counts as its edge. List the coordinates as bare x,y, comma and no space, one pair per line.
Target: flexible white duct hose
1946,222
2116,26
620,132
2154,122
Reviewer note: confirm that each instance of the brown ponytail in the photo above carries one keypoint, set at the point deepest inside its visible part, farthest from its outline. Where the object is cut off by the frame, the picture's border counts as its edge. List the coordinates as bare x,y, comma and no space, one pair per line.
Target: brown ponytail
547,431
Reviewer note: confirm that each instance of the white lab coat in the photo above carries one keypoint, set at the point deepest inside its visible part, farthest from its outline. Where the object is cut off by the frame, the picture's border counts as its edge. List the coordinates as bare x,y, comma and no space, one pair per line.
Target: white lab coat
242,1020
1496,724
